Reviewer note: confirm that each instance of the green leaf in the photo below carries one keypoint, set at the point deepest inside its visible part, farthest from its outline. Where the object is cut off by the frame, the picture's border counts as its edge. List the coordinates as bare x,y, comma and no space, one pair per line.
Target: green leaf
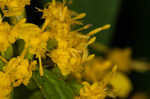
21,92
1,64
57,73
18,47
53,87
8,53
51,44
32,85
36,95
75,86
29,56
12,95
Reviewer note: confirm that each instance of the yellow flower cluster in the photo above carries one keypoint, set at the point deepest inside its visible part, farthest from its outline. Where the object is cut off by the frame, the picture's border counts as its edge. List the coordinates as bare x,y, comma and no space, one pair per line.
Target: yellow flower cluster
94,91
16,72
70,55
6,36
5,86
98,68
97,89
72,51
19,70
121,83
13,7
121,57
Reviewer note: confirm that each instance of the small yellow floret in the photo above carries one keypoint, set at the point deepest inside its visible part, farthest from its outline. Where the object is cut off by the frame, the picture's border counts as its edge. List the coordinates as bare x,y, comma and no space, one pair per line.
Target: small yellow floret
93,91
121,85
5,86
121,57
96,69
99,29
5,36
19,71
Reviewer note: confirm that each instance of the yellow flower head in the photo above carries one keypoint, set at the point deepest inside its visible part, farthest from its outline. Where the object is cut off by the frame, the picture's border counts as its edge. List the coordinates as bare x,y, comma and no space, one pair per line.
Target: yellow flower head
121,85
5,35
70,55
13,7
93,91
121,57
97,89
72,51
96,69
26,31
19,71
58,12
66,61
38,44
5,86
35,39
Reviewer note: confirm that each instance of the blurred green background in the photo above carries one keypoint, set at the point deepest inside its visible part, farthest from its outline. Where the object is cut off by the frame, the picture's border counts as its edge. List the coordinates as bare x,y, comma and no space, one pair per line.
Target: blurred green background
99,13
130,28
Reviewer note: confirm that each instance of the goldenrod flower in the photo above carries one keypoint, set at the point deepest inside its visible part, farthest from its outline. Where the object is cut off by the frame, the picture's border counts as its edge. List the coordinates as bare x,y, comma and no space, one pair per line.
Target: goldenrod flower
121,85
71,54
121,57
72,51
5,35
5,86
96,69
13,7
35,39
97,89
66,61
93,91
19,71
